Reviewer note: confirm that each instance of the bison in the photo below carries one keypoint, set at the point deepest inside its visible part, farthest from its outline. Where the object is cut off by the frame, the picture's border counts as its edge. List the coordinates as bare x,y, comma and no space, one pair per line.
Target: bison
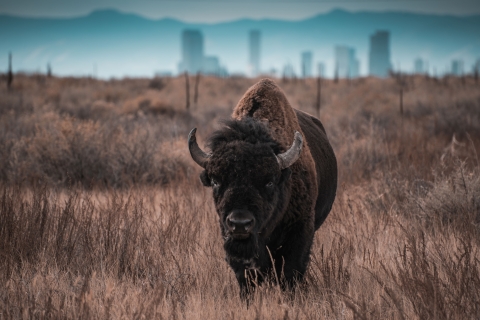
274,177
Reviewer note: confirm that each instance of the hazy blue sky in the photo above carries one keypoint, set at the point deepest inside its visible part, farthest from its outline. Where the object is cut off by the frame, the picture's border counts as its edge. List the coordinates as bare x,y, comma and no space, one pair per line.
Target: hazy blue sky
125,47
223,10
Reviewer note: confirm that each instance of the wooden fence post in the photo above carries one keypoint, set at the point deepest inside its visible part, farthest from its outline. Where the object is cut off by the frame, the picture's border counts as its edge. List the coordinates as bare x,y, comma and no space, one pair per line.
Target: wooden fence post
319,95
10,72
401,101
195,95
187,91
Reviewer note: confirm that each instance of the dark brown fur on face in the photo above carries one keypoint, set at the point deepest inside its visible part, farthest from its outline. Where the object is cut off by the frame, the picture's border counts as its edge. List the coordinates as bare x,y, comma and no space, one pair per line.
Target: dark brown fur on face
280,208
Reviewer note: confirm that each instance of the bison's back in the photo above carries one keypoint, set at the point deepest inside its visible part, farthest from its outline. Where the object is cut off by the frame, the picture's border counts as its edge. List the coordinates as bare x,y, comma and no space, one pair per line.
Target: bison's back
325,164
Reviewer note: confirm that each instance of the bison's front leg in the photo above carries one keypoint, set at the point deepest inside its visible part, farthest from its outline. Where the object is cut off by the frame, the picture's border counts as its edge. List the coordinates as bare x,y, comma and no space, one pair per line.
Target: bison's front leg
291,257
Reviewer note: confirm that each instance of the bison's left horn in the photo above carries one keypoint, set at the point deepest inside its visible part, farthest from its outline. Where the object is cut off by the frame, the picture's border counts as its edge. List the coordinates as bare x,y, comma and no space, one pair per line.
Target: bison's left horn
197,154
289,157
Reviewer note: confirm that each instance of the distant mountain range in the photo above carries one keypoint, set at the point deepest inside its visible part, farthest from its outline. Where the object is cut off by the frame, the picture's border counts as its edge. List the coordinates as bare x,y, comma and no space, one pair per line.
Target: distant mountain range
115,44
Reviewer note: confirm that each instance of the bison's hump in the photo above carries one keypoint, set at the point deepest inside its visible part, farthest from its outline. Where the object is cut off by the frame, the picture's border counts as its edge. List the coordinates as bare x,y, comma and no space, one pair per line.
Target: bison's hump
266,101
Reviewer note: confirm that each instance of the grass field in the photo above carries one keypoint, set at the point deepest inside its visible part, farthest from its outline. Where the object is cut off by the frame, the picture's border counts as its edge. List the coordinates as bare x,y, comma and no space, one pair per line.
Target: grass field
102,214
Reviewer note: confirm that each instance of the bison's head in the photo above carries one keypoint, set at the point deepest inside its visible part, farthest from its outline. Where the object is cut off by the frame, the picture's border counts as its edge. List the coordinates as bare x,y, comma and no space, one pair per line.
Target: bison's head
249,175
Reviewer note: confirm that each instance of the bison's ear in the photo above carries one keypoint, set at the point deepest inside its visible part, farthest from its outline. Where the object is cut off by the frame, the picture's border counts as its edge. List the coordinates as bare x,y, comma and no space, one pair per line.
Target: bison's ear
204,178
286,173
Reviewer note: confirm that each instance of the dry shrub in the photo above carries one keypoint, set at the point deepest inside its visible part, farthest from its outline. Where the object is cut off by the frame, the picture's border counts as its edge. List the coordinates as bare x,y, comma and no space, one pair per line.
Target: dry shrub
452,199
66,151
157,83
439,277
94,145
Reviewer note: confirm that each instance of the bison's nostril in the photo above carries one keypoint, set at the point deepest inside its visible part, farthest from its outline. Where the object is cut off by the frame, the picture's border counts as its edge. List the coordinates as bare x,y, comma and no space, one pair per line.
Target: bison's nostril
240,224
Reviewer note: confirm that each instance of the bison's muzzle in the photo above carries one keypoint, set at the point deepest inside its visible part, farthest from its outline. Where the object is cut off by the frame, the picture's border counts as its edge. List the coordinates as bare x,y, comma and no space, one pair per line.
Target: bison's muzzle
240,224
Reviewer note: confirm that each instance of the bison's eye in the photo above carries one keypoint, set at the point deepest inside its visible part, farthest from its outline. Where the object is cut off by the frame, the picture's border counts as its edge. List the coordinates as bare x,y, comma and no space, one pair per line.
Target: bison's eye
269,185
215,183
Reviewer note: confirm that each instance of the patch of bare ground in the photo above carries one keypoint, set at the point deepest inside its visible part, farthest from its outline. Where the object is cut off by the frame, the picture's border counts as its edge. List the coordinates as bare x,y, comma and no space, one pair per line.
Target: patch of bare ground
102,214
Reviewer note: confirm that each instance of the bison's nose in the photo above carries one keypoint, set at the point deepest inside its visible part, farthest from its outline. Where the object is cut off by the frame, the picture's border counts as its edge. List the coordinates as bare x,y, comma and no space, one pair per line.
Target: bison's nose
240,222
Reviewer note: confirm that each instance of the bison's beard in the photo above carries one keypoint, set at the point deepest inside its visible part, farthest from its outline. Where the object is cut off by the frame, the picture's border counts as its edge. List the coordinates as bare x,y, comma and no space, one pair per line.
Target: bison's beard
245,250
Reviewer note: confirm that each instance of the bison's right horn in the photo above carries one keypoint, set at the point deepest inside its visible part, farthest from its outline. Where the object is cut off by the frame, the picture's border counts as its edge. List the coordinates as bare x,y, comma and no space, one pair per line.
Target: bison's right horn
289,157
200,157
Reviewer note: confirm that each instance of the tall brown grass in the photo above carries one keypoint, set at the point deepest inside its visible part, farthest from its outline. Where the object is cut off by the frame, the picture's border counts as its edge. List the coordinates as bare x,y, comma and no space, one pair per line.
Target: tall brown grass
102,215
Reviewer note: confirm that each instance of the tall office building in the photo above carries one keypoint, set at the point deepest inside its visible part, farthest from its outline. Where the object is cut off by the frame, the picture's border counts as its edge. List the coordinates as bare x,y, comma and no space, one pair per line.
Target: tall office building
355,66
254,46
342,61
347,65
419,66
457,67
211,65
321,69
192,52
288,71
379,58
306,64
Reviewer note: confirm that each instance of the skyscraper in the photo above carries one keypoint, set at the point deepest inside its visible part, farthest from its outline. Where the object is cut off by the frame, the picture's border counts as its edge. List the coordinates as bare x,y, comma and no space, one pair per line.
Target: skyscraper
211,65
342,61
254,62
379,59
321,69
457,67
288,71
476,66
347,66
354,65
192,51
306,64
419,68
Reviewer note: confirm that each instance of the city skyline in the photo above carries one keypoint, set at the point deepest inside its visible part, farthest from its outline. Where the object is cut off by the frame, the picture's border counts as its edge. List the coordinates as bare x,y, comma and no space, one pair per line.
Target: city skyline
346,63
112,44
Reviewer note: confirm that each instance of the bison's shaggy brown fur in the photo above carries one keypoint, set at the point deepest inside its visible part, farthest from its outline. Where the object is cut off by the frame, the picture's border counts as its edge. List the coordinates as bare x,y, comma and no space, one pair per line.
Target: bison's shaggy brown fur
268,212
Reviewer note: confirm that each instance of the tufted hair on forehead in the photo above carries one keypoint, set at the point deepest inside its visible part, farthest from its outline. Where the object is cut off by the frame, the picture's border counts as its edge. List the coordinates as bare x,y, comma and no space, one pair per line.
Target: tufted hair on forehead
248,130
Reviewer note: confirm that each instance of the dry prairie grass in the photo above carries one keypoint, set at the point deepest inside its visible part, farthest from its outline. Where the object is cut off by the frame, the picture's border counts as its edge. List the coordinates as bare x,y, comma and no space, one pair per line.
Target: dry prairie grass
102,215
